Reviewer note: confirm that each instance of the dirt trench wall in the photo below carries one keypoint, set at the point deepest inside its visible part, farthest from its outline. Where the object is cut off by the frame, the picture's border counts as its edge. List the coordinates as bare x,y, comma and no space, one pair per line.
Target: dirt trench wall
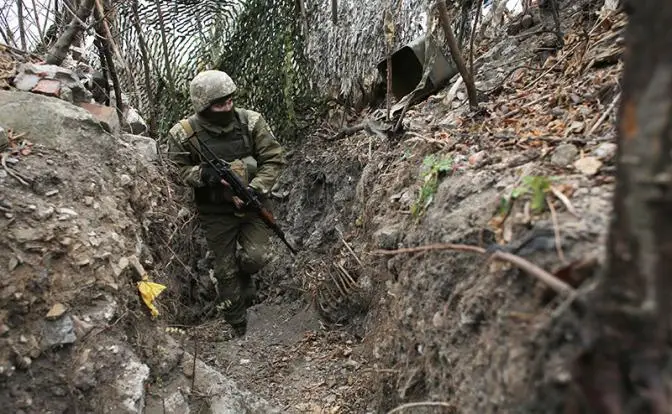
77,205
439,325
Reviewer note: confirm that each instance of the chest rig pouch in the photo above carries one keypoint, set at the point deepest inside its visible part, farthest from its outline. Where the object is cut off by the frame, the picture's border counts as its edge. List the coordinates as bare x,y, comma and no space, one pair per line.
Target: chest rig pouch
234,145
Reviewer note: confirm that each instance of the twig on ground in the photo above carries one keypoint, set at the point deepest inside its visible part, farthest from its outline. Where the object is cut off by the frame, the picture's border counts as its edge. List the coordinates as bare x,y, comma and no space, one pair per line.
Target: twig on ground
17,176
347,245
527,105
565,201
438,246
193,367
560,60
421,404
508,75
366,125
556,229
604,115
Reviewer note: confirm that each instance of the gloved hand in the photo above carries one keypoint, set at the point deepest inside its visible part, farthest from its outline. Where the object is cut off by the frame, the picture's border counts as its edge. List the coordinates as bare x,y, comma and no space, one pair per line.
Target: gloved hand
209,176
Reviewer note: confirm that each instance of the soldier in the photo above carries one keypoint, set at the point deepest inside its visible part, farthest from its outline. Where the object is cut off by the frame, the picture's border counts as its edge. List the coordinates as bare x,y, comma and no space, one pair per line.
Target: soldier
243,138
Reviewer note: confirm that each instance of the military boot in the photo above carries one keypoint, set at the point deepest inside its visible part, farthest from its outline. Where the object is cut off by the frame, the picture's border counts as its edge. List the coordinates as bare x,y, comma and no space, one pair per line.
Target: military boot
240,328
248,290
235,313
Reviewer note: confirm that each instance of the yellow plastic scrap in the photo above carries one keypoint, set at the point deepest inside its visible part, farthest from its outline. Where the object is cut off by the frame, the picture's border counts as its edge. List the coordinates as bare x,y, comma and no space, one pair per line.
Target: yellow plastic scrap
149,292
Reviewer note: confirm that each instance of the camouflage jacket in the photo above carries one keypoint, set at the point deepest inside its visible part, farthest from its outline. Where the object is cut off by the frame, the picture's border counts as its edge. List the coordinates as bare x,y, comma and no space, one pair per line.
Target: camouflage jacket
268,152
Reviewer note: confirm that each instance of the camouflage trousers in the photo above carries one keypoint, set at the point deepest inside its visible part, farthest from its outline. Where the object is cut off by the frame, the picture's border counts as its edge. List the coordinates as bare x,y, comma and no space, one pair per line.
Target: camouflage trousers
233,267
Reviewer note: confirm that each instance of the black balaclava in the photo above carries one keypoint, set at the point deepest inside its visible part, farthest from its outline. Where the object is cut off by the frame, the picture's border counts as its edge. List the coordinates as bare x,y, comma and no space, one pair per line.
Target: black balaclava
219,118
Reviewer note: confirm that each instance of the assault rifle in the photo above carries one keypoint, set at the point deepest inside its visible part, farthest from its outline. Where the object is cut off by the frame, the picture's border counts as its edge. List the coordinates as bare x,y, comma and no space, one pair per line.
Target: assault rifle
248,198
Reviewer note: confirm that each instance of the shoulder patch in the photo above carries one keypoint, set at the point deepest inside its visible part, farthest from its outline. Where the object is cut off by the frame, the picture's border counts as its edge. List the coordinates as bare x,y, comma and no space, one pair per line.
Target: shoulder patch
253,118
178,133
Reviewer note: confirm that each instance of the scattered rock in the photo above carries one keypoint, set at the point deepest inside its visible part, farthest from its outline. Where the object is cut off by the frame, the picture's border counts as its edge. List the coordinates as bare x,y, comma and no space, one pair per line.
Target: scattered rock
81,327
605,151
134,124
50,87
125,180
106,115
577,127
131,386
66,211
478,159
564,155
4,141
50,80
527,21
226,397
59,332
44,213
27,234
51,193
146,146
588,165
13,263
56,311
387,237
50,122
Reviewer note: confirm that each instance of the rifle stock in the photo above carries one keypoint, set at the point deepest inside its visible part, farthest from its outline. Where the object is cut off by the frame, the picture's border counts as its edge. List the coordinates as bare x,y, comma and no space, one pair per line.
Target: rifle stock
241,191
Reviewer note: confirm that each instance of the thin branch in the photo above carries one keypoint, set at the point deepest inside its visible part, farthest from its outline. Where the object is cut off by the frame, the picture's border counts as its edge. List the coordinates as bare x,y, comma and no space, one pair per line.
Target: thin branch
604,116
456,54
438,246
556,229
479,8
532,269
3,161
421,404
22,28
59,51
347,245
106,38
164,44
146,68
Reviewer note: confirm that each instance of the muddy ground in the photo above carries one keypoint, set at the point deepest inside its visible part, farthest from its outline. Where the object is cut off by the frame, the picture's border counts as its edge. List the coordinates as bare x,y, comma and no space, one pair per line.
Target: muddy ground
354,323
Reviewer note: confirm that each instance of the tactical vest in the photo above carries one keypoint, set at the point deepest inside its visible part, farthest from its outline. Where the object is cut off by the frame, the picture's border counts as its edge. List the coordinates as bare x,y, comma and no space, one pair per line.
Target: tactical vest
235,146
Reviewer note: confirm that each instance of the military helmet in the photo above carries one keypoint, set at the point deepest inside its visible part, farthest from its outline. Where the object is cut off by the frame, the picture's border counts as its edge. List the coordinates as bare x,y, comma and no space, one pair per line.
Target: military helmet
209,86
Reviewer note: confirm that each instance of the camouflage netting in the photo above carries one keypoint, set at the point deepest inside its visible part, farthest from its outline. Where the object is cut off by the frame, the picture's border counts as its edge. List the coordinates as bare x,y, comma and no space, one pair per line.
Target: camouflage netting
265,56
282,54
345,50
257,42
182,37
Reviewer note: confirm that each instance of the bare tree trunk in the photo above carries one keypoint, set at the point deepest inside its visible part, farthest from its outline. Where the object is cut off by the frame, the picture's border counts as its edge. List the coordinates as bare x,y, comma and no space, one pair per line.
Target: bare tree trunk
334,12
103,31
146,67
22,28
388,23
164,44
59,51
626,368
467,76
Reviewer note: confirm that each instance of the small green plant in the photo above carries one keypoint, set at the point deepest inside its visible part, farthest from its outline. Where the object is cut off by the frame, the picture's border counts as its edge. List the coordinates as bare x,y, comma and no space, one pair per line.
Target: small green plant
535,186
433,168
